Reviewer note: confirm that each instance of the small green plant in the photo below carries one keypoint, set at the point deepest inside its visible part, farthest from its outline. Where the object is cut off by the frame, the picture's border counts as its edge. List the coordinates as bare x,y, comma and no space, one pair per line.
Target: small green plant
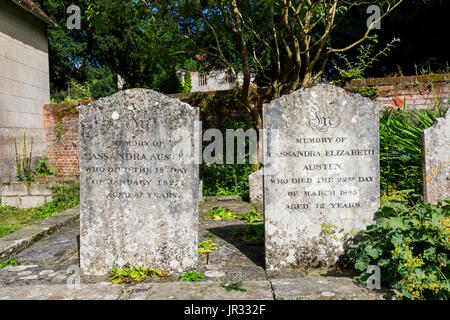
42,167
206,247
253,233
191,276
128,274
365,59
237,286
252,216
217,213
208,235
10,262
22,159
187,83
58,131
410,243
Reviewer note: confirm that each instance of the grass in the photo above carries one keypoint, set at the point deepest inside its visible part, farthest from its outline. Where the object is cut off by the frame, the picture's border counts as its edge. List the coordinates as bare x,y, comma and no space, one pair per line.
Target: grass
13,219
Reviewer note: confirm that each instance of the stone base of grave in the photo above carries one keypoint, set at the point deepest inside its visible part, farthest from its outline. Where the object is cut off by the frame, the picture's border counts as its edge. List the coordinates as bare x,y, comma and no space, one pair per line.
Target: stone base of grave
43,274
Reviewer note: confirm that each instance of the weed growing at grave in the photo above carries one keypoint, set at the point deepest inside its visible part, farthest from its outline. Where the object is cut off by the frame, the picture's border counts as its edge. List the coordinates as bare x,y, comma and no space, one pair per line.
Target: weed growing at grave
253,233
10,262
42,167
206,247
208,235
252,216
410,242
217,213
128,274
400,147
191,276
237,286
13,219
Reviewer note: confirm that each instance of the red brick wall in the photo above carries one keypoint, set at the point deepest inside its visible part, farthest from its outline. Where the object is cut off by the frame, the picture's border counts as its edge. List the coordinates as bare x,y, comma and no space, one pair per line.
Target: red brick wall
61,129
417,92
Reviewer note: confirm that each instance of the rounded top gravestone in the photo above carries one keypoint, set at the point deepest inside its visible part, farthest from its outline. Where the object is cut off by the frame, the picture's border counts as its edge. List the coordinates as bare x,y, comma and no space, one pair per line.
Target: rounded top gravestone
138,183
321,174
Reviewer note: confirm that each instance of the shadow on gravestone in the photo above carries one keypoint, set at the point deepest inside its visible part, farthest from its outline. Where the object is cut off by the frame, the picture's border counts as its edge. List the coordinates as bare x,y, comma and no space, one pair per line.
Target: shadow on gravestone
323,186
139,183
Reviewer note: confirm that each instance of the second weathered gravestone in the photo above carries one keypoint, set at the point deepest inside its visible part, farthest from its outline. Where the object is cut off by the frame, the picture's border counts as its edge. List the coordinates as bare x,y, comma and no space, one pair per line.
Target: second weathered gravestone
138,183
436,160
321,174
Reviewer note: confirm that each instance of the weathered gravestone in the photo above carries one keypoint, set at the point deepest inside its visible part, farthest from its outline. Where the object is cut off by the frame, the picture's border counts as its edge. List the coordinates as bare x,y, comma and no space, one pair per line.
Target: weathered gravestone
138,184
321,177
436,160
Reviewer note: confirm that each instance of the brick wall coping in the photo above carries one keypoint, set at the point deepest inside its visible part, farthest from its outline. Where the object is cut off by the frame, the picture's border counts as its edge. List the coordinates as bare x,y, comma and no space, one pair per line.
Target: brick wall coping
405,80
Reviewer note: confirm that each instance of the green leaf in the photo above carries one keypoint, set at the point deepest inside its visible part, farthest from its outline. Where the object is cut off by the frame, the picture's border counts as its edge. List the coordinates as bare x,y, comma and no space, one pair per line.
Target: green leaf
397,223
397,239
371,251
435,219
383,262
430,253
361,265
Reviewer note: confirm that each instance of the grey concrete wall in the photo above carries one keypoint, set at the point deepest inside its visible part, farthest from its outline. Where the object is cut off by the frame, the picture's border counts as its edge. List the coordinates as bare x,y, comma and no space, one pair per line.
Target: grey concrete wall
24,82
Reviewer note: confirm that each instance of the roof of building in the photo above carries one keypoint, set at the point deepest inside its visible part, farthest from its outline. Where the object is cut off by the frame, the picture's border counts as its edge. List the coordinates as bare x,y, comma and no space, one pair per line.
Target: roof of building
32,8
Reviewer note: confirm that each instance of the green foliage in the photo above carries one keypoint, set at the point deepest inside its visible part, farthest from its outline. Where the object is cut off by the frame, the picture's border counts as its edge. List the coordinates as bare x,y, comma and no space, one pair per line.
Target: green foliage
191,276
364,60
187,83
42,167
128,274
217,213
224,179
369,92
63,198
254,233
410,242
400,147
99,82
7,228
206,247
10,262
13,219
58,131
208,235
251,217
237,286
